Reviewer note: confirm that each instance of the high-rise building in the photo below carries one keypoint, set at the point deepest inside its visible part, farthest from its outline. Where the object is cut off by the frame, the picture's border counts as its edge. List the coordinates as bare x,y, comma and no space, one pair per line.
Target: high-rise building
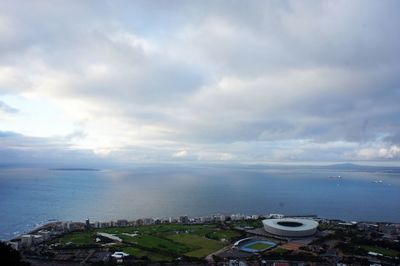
184,219
26,241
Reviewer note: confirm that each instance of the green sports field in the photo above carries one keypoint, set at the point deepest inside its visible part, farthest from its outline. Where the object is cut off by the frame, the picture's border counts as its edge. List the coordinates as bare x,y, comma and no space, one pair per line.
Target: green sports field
157,243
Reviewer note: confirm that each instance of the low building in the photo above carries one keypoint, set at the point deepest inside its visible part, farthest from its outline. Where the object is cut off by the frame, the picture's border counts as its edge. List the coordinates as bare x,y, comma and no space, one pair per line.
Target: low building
37,239
121,223
275,216
148,221
66,226
109,236
45,234
14,244
104,224
26,241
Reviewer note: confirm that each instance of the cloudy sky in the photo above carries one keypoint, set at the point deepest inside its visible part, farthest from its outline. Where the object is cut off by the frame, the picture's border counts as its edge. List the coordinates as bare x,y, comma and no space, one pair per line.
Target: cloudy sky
232,81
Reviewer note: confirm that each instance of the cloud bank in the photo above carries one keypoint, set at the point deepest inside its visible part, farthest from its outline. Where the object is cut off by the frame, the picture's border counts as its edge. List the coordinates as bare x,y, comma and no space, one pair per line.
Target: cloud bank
207,80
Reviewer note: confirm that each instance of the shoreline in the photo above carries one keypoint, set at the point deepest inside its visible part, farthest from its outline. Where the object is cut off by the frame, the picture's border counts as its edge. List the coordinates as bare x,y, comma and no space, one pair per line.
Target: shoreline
192,220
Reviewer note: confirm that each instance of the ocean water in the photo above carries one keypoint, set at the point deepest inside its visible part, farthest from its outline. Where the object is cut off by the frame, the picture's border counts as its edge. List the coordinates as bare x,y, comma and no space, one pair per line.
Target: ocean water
29,197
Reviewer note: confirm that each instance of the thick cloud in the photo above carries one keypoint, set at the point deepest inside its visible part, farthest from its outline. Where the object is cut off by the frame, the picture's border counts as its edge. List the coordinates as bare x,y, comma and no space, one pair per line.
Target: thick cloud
211,80
7,109
20,150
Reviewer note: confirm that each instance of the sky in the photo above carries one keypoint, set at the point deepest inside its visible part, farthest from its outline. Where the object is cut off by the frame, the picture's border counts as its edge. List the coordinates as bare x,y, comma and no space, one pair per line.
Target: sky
199,81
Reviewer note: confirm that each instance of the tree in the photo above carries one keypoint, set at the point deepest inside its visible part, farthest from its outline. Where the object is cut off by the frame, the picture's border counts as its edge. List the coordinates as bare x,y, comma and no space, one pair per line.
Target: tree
9,256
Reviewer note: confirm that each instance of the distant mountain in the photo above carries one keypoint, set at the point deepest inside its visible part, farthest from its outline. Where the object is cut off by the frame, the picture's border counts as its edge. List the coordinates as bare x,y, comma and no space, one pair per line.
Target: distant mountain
74,169
357,167
348,166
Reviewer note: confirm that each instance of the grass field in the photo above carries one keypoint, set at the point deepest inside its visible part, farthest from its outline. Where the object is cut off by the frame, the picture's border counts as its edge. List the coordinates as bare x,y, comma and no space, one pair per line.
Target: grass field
139,253
259,246
383,251
279,251
77,238
159,242
223,234
199,245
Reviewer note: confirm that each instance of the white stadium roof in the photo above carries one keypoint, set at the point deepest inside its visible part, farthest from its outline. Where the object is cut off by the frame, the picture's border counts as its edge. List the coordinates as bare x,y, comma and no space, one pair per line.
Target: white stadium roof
290,227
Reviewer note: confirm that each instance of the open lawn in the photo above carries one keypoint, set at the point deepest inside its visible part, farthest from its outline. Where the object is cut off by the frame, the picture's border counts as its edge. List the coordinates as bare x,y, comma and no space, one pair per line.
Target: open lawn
383,251
159,242
223,234
76,238
200,246
139,253
162,244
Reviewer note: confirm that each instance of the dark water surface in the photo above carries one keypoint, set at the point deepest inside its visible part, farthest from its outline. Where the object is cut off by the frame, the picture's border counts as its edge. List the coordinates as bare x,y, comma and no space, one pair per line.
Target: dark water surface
32,196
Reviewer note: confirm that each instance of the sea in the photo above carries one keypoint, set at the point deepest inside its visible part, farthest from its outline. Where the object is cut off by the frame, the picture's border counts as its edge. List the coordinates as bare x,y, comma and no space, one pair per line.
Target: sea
30,197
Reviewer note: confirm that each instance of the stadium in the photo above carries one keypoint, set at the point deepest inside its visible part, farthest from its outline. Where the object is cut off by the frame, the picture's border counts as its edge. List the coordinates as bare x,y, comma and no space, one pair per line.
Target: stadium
290,227
253,245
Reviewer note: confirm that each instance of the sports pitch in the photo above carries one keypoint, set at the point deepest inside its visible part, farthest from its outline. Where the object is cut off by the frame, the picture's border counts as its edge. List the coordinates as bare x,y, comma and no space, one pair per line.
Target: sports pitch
257,246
